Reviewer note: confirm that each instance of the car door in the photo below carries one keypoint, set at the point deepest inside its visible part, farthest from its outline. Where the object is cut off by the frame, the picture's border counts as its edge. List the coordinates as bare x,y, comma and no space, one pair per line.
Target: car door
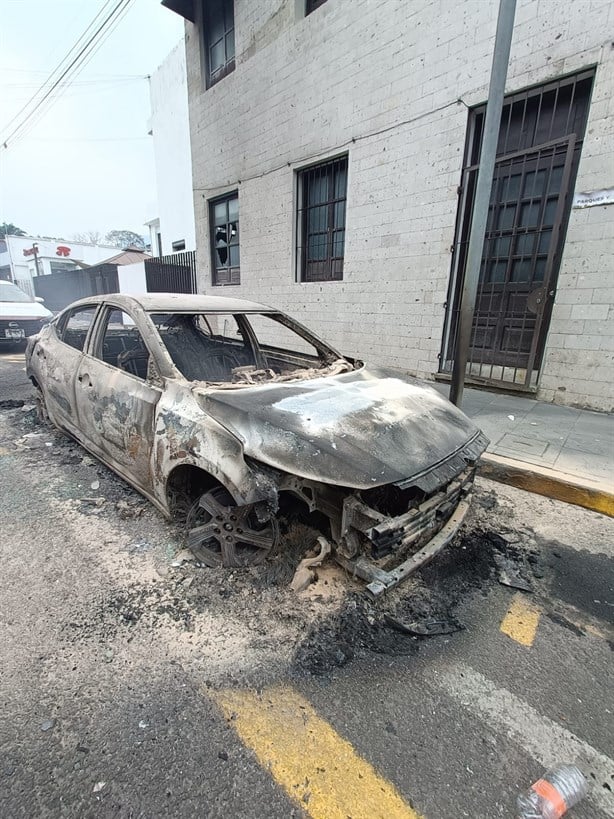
116,399
58,355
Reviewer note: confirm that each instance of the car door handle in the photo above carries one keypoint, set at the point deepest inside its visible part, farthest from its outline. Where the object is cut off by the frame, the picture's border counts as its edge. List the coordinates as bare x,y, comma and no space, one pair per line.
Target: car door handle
85,380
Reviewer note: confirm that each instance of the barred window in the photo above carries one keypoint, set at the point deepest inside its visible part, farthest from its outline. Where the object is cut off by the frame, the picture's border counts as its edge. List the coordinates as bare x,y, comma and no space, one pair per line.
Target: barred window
219,39
224,221
322,191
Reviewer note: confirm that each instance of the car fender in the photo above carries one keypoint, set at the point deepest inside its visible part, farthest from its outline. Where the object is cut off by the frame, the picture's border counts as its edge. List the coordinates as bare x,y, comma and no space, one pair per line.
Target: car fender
186,436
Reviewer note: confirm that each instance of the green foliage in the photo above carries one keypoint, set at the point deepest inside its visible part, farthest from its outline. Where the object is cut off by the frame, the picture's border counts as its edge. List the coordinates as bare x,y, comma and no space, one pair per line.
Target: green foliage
124,239
9,229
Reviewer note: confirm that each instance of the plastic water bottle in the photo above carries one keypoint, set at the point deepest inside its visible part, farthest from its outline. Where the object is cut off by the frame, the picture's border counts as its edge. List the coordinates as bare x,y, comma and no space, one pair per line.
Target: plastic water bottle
552,795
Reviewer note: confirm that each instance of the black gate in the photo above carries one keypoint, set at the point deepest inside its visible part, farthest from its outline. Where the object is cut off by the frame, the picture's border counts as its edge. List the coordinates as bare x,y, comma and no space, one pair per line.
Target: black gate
539,147
65,286
175,273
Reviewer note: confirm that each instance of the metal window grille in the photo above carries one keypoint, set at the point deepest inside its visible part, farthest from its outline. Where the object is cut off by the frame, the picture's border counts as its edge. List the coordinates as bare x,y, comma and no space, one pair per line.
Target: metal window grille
322,193
175,273
540,140
225,257
219,38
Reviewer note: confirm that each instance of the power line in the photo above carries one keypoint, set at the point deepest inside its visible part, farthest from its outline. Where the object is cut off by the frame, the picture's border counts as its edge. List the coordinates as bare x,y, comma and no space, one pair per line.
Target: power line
77,62
119,81
92,139
332,148
79,68
59,66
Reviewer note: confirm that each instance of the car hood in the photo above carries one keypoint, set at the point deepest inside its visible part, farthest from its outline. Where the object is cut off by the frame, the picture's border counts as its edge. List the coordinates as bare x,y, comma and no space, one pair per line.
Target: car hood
23,310
361,429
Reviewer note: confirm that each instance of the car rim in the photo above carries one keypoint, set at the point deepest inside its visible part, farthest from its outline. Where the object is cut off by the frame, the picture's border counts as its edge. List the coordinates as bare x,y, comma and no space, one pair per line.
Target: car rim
221,534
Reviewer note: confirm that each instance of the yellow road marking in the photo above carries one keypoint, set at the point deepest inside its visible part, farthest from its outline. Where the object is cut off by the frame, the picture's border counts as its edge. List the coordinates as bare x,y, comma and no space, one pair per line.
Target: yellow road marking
319,769
521,621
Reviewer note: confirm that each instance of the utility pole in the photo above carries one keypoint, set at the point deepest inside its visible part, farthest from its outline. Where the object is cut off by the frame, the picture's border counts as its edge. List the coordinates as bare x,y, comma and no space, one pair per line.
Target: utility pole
33,251
490,137
36,259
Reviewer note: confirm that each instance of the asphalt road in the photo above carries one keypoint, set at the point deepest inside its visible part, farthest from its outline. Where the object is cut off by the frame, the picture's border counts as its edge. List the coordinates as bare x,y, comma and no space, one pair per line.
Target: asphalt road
132,687
13,382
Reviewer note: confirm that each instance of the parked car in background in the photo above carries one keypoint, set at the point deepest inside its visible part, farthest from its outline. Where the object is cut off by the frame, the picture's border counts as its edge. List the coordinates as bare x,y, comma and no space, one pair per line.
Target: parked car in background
235,411
21,316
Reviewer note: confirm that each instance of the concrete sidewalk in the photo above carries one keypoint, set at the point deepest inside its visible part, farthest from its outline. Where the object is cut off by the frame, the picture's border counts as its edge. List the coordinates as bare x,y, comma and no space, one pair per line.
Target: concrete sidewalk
541,446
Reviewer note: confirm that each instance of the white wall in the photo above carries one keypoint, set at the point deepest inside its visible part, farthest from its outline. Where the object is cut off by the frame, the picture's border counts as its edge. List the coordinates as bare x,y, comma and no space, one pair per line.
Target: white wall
132,278
23,267
172,155
345,79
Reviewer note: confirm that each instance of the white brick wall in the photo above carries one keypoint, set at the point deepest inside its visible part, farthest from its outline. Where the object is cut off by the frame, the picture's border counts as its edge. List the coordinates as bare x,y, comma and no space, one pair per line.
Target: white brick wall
305,88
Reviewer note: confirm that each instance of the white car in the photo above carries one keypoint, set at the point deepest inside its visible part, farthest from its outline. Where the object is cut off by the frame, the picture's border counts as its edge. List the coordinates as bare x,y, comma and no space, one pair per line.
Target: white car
20,315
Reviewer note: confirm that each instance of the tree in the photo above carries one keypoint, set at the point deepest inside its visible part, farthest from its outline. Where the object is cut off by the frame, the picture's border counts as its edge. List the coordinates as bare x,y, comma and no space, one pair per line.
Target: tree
93,237
124,239
9,229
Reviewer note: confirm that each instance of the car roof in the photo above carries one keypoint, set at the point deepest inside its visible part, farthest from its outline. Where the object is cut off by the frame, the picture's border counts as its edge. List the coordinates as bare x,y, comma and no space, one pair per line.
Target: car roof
181,303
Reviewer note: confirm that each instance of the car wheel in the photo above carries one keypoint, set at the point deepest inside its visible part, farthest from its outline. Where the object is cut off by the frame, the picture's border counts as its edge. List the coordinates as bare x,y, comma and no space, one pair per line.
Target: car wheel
222,534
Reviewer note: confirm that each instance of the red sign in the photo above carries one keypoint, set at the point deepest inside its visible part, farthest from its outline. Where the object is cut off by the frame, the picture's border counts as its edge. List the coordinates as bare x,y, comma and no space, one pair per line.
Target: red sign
62,251
31,251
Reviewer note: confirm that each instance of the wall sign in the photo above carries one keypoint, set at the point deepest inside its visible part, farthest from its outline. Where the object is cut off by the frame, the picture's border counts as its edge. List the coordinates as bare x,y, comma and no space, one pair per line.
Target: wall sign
62,251
590,199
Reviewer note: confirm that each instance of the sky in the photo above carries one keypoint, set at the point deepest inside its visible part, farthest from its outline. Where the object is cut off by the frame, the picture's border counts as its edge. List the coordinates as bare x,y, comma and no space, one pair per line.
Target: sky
87,164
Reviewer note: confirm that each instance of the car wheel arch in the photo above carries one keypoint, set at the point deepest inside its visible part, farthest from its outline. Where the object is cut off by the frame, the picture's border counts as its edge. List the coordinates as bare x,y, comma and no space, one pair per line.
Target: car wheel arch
185,484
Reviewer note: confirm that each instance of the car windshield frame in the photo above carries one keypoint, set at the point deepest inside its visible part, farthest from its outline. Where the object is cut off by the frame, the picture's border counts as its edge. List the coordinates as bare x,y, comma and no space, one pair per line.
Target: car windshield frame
11,286
326,355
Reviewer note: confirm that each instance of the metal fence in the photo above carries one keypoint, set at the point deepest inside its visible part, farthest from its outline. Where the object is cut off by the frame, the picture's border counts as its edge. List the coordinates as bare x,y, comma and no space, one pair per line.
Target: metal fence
60,289
175,273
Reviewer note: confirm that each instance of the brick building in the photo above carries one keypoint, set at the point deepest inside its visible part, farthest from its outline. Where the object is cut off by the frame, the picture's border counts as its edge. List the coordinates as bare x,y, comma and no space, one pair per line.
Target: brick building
334,147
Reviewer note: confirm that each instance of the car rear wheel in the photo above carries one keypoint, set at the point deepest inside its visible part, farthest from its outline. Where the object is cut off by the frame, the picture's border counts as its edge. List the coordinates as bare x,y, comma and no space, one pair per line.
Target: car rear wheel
222,534
41,407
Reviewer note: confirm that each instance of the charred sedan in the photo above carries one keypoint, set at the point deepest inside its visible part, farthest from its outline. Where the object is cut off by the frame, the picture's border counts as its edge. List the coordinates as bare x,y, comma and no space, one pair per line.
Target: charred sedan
237,413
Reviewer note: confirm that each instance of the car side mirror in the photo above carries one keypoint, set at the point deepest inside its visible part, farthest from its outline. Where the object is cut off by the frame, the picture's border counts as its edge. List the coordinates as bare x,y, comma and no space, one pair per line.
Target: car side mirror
39,300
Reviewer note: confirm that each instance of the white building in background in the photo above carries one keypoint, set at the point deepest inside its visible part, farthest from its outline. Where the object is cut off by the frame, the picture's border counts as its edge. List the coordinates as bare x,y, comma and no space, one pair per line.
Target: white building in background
173,229
20,263
343,137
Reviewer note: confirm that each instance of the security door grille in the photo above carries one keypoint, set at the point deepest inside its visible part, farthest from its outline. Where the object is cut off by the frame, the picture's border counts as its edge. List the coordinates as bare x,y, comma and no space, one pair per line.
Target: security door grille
320,230
539,148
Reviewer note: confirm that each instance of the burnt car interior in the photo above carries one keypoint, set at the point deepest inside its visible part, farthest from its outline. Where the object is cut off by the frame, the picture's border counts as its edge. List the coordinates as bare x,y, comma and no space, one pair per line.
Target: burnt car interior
122,345
238,348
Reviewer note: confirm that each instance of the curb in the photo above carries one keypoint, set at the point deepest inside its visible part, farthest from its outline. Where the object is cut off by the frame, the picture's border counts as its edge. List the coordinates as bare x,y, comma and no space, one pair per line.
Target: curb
558,485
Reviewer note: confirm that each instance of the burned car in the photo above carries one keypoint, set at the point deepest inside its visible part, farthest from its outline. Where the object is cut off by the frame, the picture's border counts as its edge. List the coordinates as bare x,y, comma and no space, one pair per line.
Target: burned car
237,414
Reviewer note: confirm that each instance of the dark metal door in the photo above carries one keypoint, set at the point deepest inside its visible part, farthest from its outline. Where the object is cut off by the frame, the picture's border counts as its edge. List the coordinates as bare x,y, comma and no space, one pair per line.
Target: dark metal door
540,140
516,278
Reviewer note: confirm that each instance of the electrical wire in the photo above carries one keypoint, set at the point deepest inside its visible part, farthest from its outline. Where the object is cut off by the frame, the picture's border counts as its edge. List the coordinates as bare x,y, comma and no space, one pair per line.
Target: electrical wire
60,65
332,148
76,64
62,82
79,68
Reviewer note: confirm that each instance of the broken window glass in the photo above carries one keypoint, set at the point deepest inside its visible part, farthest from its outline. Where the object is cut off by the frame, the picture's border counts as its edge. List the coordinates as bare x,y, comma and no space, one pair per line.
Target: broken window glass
224,216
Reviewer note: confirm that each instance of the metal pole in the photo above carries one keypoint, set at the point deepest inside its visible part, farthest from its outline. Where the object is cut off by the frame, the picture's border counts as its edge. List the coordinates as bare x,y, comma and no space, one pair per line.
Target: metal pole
36,262
490,137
